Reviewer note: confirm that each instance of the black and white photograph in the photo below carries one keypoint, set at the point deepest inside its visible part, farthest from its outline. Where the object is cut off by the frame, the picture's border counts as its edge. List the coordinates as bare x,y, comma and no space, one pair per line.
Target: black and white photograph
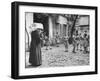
56,40
50,40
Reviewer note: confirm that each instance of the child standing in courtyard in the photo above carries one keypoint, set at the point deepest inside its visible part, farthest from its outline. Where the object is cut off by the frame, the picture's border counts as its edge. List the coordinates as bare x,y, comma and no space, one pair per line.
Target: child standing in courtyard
57,39
47,42
66,43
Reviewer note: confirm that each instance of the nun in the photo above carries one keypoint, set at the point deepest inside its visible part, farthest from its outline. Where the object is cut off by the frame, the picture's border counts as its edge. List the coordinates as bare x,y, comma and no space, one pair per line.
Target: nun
35,58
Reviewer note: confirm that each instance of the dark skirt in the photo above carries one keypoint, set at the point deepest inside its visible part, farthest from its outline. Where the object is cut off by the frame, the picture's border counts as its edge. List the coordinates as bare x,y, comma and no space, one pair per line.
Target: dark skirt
35,54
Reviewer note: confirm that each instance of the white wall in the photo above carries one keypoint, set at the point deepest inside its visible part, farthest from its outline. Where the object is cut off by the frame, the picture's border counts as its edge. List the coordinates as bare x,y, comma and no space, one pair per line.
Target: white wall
5,41
29,22
62,20
84,21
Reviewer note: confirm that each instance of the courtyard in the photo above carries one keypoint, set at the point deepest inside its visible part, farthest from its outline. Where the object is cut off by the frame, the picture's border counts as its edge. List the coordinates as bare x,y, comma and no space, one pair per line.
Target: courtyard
57,57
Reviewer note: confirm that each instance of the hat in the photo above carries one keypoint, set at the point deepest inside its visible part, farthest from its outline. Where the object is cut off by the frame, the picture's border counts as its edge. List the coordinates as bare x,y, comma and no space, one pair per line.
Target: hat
36,26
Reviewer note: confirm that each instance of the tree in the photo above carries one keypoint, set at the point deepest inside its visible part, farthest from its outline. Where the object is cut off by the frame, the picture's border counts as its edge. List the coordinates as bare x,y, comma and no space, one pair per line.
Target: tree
72,19
73,26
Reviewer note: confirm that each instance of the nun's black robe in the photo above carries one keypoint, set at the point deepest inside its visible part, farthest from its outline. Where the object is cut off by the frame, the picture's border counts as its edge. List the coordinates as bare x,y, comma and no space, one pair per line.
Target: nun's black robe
35,49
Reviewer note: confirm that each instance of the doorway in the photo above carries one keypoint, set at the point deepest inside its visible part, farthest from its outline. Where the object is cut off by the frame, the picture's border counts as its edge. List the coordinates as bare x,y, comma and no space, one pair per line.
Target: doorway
42,18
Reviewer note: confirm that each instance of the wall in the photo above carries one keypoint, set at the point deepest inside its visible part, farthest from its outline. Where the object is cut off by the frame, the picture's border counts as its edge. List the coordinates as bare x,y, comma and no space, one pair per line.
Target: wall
5,41
29,22
84,21
62,20
62,25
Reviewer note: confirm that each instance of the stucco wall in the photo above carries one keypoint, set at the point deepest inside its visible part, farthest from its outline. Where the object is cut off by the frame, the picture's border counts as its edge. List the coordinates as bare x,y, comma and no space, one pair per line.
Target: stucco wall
29,21
84,21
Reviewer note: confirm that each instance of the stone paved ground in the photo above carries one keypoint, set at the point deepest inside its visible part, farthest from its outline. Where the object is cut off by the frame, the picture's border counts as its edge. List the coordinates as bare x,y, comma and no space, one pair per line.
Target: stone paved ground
58,57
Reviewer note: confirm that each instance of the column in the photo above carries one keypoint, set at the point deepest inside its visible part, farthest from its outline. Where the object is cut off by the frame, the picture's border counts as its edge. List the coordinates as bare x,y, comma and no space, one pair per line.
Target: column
50,27
66,30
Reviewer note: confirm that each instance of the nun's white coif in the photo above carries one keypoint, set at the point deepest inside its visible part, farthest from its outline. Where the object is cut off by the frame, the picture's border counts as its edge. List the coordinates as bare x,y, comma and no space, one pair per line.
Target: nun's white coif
36,26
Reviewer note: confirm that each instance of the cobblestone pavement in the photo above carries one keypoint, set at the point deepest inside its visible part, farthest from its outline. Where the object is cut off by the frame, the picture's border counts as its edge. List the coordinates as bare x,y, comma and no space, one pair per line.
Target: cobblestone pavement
58,57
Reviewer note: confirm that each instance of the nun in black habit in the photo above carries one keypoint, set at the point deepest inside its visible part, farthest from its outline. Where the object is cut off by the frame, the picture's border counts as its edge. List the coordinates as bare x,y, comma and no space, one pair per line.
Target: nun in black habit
35,58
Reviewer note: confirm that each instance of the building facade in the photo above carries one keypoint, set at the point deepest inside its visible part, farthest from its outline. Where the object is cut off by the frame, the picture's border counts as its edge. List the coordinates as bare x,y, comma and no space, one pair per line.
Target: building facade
54,24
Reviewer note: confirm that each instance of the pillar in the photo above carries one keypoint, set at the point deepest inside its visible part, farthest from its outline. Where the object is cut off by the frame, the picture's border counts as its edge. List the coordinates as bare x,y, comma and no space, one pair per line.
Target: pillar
50,27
